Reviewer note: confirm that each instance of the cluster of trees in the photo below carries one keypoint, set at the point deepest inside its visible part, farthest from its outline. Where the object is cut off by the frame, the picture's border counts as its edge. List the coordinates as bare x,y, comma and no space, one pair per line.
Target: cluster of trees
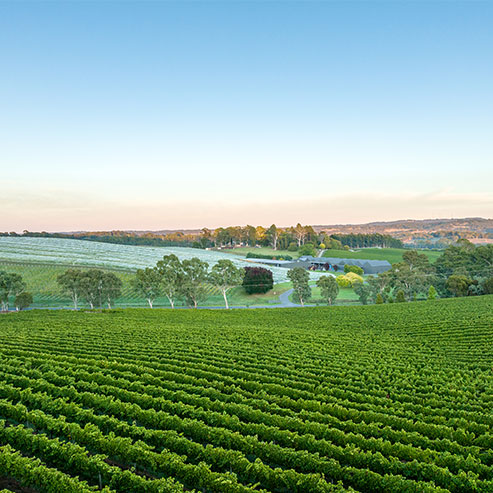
303,239
291,238
96,287
462,270
299,277
367,240
13,289
186,280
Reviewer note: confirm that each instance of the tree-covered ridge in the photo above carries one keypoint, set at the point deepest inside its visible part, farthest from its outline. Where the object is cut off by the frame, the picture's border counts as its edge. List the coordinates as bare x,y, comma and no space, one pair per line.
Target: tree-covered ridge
391,398
278,238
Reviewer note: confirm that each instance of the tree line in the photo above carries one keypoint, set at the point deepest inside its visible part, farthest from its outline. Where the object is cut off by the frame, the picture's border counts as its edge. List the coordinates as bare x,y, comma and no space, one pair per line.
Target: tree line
291,238
177,280
187,280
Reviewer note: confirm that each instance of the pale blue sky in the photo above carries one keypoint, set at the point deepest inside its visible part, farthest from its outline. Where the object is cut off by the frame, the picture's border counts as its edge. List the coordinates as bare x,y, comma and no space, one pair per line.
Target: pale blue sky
154,115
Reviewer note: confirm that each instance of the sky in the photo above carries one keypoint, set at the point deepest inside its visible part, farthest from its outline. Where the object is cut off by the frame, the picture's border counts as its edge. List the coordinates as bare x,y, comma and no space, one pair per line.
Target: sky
157,115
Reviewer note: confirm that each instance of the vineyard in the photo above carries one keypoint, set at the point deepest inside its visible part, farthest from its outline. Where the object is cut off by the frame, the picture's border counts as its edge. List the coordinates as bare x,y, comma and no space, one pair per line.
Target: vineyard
382,398
80,253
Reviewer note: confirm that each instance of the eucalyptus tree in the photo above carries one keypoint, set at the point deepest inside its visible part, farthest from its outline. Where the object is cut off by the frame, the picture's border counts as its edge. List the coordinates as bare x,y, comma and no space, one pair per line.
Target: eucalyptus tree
170,270
226,276
70,282
273,235
300,277
11,284
192,280
111,288
328,288
98,287
147,283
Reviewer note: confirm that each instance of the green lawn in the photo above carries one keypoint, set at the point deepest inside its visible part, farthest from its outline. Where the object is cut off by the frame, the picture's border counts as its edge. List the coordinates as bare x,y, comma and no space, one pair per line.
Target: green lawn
393,255
262,251
345,296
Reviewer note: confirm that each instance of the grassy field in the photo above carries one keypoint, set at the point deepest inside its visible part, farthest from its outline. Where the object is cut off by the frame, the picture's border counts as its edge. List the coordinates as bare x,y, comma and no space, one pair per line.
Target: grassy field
345,296
382,398
41,282
393,255
262,251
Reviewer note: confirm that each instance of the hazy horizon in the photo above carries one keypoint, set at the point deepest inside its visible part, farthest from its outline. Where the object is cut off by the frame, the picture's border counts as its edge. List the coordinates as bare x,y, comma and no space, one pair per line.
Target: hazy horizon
180,115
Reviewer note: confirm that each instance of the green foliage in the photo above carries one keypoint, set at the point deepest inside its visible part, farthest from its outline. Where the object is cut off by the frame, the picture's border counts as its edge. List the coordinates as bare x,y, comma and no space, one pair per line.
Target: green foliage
225,276
400,297
391,398
300,277
147,283
11,284
413,276
332,243
417,261
170,271
23,300
349,280
459,285
192,279
343,281
379,299
329,288
464,259
353,268
365,240
488,286
292,247
308,249
71,283
432,293
99,288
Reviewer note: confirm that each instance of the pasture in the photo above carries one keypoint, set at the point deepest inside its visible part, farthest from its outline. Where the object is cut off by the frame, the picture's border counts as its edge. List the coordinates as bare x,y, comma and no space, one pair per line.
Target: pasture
393,255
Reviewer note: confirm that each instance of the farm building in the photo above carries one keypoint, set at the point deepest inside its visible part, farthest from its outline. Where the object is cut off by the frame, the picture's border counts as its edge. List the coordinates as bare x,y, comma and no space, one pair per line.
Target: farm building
337,264
328,263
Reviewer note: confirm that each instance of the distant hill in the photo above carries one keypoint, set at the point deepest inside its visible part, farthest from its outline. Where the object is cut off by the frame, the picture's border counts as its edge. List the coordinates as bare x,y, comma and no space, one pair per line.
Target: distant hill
420,233
410,230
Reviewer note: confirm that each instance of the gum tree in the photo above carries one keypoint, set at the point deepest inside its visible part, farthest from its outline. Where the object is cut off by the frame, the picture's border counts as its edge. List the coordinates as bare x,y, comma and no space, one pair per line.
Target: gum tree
328,288
70,282
147,283
225,276
300,277
11,284
192,280
170,271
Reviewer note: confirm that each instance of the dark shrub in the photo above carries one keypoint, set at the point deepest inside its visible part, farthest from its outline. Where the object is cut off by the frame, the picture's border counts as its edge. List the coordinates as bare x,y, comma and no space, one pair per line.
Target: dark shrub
257,280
